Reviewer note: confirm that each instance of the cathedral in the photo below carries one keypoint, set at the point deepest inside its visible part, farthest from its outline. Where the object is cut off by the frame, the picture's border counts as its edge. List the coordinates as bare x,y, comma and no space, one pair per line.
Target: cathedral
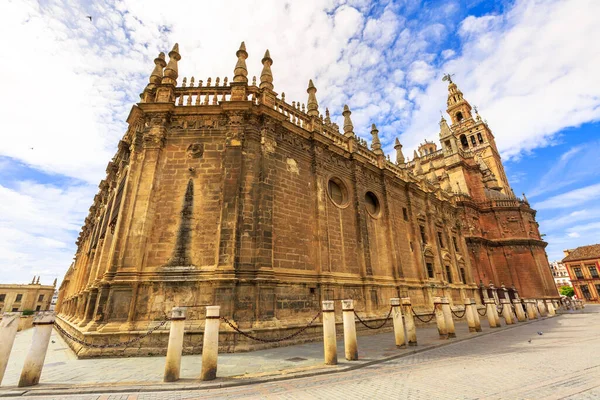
224,193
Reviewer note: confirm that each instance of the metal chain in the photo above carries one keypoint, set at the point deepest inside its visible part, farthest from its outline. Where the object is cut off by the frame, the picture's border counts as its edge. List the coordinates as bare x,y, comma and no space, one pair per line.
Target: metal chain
249,336
501,308
108,346
484,312
377,327
456,315
432,315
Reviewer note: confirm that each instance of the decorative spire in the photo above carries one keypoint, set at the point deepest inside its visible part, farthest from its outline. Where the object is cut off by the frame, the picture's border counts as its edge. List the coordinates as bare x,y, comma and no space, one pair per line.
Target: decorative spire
348,127
54,283
375,143
240,72
33,280
418,169
444,128
525,199
157,73
399,155
266,76
171,71
38,280
313,106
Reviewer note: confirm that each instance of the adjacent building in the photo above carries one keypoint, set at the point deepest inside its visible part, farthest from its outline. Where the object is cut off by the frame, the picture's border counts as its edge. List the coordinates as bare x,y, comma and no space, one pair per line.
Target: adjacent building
560,274
583,264
30,297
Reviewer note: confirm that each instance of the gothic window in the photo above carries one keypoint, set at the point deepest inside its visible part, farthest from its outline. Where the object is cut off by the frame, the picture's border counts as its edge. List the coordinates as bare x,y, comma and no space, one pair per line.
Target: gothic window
448,274
479,137
473,140
585,290
440,239
464,142
429,270
372,204
463,276
337,192
593,271
423,236
578,273
455,244
405,213
459,116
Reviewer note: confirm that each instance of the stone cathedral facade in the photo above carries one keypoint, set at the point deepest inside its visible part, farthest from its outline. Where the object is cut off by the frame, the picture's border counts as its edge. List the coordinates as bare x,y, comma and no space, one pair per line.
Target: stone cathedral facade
222,192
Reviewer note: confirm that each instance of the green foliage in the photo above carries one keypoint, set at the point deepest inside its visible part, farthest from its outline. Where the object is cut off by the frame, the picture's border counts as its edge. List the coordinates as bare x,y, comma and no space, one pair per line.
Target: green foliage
567,291
27,312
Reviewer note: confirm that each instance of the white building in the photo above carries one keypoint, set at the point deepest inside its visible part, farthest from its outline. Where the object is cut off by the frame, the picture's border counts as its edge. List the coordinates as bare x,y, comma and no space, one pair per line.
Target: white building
560,274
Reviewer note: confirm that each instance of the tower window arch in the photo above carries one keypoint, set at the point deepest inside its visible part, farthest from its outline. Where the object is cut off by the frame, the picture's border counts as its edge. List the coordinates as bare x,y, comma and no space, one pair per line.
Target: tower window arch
459,116
464,142
479,137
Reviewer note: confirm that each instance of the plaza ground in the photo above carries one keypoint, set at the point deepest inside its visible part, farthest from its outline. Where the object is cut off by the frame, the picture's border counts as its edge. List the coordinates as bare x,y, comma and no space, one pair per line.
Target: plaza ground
514,363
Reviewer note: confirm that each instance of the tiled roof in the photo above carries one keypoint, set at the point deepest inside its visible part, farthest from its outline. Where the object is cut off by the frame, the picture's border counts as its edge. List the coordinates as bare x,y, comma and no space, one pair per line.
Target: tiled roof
584,253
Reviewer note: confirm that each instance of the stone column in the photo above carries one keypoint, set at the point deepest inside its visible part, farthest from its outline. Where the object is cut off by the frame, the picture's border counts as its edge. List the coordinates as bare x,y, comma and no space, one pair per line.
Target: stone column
210,346
507,312
476,315
34,361
398,324
492,313
175,347
350,345
542,308
409,320
469,309
8,331
448,317
550,306
531,314
329,340
519,310
439,317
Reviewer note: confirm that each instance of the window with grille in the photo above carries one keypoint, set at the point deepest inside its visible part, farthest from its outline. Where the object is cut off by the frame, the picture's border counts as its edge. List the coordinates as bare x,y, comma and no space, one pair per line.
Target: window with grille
440,239
578,273
593,271
585,290
448,274
429,270
19,298
405,213
463,275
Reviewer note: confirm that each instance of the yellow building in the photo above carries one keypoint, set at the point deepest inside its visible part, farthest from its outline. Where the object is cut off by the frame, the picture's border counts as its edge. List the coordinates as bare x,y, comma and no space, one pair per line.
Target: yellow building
34,296
583,264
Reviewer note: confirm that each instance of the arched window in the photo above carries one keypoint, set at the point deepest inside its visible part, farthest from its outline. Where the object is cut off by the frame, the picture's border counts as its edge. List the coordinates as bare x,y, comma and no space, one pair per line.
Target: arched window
479,137
459,116
464,142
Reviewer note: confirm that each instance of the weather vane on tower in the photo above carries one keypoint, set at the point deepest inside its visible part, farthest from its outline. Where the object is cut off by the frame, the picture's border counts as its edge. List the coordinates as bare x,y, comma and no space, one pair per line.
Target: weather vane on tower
448,77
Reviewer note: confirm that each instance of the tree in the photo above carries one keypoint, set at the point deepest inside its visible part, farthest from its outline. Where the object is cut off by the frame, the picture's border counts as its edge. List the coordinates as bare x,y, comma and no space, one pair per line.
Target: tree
567,291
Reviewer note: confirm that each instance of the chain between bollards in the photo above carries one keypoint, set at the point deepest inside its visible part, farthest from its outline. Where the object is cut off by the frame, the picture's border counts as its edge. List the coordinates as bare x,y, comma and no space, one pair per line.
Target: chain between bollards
377,327
484,312
108,346
249,336
432,315
458,316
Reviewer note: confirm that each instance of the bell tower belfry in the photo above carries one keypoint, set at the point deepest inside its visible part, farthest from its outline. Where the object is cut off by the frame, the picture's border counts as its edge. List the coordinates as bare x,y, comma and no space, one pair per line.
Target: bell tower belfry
473,136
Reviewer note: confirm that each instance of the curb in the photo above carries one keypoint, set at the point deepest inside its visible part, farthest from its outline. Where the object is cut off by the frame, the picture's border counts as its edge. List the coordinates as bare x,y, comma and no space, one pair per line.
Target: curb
161,387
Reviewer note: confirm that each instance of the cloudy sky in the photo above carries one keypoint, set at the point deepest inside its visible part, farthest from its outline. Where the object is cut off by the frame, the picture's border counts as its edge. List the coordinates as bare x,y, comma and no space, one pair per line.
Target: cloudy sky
531,67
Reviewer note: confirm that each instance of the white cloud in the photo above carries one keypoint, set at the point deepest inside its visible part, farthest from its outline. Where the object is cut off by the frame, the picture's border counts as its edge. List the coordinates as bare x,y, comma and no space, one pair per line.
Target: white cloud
572,198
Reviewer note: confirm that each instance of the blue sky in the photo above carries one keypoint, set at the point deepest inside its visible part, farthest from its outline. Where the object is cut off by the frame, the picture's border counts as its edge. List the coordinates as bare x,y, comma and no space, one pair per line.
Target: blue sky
530,67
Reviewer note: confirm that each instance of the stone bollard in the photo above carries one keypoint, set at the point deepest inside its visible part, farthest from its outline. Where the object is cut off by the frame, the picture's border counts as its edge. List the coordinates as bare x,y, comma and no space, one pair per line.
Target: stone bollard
550,306
398,324
8,331
34,361
210,345
519,310
469,315
448,317
409,321
175,346
329,341
476,316
507,312
531,314
350,345
439,317
492,313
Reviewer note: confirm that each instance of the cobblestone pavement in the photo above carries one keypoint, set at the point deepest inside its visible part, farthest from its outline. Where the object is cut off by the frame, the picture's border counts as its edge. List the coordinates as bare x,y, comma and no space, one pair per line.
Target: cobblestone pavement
562,363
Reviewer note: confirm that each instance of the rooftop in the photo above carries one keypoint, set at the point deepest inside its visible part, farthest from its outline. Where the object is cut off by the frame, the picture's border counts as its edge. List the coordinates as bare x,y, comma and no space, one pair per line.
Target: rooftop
583,253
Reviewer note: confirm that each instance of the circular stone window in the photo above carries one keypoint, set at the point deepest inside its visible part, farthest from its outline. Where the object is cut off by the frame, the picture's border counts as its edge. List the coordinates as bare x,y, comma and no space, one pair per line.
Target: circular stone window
372,204
337,192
